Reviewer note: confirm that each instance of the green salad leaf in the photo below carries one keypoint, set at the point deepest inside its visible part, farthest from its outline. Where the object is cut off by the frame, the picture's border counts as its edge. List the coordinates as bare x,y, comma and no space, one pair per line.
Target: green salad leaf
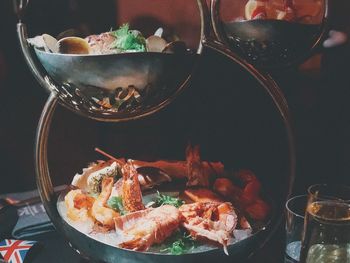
181,244
168,200
128,39
116,203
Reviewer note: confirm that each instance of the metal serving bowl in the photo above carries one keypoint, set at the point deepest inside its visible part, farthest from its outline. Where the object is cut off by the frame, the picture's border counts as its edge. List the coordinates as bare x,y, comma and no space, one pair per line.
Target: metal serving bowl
117,86
111,87
109,253
269,44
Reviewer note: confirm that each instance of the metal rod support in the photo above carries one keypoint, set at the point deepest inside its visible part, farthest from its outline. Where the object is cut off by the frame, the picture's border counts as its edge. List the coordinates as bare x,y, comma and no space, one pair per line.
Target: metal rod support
43,179
206,27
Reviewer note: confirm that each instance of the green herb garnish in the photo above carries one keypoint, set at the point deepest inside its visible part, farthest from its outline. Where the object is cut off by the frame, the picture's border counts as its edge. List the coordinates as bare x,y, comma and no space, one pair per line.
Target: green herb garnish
116,203
128,39
182,244
168,200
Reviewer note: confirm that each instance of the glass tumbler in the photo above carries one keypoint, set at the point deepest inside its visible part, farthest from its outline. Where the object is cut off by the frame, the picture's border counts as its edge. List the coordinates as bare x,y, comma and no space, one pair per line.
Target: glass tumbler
295,212
326,237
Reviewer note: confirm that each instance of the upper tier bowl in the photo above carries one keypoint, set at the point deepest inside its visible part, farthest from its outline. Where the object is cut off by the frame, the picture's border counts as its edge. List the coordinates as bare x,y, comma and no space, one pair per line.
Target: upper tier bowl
117,87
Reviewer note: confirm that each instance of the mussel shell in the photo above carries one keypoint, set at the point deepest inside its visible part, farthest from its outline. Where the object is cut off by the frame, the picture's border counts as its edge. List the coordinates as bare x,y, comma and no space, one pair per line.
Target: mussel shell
69,33
175,47
73,45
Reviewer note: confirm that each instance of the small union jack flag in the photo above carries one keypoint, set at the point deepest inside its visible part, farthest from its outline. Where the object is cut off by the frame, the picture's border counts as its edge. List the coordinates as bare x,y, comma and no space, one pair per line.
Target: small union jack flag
14,251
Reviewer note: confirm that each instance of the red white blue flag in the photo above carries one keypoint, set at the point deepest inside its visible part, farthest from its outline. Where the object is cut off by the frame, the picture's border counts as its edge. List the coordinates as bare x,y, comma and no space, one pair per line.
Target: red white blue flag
14,251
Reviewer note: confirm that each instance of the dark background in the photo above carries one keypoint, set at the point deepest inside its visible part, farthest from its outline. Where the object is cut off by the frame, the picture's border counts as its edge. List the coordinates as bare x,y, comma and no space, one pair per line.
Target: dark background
318,93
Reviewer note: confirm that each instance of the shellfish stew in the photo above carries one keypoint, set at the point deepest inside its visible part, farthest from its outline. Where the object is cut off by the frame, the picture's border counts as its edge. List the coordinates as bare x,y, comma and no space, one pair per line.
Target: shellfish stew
167,207
122,40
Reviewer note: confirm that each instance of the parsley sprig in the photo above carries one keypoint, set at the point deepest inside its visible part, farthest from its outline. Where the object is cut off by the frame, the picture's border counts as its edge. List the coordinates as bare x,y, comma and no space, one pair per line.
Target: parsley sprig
168,200
128,39
181,244
116,203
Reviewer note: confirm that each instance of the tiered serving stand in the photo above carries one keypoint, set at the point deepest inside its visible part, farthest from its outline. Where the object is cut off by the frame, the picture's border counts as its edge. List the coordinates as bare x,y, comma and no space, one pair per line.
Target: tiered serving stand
71,82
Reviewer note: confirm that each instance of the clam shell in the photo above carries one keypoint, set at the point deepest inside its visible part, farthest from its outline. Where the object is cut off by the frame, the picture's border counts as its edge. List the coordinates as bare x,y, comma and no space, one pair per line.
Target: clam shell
37,42
155,44
50,43
159,32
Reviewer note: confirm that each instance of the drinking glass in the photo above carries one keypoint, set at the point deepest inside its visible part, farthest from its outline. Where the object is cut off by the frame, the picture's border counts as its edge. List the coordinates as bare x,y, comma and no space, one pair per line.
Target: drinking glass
295,212
326,237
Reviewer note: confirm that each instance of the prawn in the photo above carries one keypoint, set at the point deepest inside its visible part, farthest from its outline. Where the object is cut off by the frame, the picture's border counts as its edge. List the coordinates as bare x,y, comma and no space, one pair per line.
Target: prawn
246,198
99,210
146,227
213,221
78,205
131,190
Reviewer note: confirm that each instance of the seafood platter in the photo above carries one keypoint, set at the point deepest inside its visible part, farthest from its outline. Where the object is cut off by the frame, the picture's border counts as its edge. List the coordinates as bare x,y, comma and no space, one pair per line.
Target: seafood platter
119,74
165,207
182,204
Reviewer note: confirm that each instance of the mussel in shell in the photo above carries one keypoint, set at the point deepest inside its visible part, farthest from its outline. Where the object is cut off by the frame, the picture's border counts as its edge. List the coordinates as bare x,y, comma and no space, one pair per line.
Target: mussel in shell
175,47
73,45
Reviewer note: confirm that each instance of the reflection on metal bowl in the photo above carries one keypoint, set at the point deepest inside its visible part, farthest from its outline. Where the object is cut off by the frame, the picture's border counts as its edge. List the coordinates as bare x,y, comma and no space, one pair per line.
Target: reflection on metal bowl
118,86
272,35
272,43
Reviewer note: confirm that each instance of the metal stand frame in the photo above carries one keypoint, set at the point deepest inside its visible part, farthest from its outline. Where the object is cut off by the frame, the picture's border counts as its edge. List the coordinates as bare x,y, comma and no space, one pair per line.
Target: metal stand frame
43,178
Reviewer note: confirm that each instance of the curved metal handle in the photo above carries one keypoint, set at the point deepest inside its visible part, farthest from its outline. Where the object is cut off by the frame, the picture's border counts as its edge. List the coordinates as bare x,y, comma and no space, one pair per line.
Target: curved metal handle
205,19
215,20
207,30
20,7
318,45
43,179
38,73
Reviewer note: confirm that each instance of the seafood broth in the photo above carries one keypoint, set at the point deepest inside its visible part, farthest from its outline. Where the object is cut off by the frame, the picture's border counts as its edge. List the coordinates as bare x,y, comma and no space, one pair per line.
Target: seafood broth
173,190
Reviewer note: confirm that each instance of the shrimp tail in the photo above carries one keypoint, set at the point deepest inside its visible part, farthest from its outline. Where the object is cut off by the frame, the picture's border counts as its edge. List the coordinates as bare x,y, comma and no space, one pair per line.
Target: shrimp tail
138,244
225,250
100,211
